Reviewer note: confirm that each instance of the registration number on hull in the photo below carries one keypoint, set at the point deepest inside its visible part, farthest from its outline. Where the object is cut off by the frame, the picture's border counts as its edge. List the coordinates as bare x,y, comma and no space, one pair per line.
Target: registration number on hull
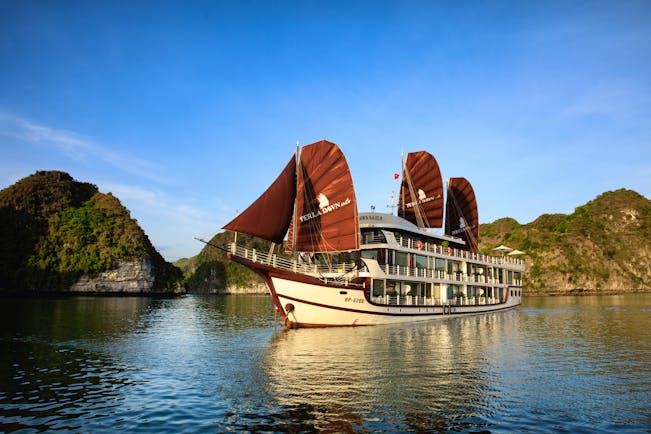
353,300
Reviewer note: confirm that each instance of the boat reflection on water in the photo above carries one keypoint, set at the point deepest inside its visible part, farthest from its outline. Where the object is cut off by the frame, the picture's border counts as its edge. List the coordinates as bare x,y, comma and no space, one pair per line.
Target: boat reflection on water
433,376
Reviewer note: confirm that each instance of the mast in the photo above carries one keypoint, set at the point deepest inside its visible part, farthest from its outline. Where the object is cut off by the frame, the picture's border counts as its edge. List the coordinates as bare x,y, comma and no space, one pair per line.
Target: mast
420,222
295,211
401,196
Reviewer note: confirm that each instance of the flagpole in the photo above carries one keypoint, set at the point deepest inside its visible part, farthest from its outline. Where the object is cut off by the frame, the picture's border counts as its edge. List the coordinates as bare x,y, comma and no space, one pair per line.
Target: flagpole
393,193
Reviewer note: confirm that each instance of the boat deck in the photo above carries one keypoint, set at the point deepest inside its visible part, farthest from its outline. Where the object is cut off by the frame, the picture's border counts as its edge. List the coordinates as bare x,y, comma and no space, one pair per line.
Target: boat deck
344,273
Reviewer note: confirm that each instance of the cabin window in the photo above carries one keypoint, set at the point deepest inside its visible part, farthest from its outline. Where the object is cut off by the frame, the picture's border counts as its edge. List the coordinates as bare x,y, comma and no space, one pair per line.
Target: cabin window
378,288
510,277
455,291
410,289
373,237
391,287
421,261
369,254
402,259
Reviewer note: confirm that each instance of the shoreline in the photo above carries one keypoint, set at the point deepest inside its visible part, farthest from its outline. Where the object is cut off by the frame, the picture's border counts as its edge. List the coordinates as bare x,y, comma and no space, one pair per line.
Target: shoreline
585,292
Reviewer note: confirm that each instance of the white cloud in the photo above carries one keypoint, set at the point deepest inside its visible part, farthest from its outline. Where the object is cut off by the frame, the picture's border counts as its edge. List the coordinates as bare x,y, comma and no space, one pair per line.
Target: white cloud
170,221
76,147
156,202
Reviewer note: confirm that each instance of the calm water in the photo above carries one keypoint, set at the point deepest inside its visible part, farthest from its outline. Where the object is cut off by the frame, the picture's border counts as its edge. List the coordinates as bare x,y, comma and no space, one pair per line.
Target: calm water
218,363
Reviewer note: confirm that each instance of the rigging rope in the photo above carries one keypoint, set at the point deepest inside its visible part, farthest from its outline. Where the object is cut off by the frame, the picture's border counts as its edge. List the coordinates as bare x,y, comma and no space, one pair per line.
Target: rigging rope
467,229
421,220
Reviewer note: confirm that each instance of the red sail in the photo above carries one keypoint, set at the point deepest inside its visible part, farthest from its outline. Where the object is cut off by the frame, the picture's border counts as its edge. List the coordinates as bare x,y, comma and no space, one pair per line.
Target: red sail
422,171
461,218
325,217
269,216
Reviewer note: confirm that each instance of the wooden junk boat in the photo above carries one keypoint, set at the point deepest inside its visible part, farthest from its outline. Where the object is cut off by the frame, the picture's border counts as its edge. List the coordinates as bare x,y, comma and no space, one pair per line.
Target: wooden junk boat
344,268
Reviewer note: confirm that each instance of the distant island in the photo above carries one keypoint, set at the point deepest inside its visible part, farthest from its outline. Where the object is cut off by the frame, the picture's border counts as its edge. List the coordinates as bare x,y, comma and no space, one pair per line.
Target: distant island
58,235
604,247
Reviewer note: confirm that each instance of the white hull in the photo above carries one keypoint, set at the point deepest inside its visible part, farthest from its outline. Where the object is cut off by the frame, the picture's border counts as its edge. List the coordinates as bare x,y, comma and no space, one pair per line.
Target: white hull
312,305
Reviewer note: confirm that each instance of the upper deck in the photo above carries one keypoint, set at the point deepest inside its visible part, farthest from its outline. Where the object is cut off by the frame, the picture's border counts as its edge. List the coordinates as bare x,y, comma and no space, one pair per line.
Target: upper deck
390,221
380,230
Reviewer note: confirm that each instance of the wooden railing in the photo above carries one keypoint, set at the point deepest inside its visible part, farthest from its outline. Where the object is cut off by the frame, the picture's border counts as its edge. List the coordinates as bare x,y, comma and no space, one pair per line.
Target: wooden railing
340,274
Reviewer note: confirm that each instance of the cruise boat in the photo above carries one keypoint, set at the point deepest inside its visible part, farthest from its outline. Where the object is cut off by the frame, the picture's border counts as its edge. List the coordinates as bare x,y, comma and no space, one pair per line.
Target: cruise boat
329,265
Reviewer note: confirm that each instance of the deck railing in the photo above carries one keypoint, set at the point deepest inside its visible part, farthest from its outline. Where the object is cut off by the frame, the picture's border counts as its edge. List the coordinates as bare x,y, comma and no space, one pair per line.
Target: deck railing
406,300
338,273
428,273
451,252
343,273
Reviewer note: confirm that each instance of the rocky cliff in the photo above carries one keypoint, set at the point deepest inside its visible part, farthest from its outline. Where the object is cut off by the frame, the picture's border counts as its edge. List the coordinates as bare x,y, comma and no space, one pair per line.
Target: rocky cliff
127,277
61,235
210,272
604,246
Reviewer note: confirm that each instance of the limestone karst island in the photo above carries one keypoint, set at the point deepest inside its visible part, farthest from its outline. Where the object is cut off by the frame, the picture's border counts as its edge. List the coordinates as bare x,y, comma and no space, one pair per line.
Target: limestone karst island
61,235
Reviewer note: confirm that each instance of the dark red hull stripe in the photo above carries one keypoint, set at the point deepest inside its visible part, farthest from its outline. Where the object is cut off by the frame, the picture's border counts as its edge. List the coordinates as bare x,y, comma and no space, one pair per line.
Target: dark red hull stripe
401,314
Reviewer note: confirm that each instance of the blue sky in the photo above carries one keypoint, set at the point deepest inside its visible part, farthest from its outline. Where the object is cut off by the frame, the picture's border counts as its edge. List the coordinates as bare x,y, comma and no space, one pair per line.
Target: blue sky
186,111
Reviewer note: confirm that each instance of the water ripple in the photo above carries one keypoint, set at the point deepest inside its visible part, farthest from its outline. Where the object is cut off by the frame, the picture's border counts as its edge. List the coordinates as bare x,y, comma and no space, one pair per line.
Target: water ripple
218,364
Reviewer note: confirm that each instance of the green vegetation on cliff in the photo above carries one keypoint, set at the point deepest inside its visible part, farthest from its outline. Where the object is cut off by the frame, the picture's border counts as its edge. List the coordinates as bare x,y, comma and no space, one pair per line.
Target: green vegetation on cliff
55,229
605,245
211,271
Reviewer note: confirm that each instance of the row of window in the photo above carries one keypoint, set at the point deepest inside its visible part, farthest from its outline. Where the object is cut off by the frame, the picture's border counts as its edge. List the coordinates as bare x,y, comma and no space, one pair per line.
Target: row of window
404,259
390,287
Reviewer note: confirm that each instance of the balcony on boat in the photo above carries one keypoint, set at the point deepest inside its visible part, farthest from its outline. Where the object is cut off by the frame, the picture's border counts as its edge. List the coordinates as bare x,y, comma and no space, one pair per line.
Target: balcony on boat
395,271
382,237
406,300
